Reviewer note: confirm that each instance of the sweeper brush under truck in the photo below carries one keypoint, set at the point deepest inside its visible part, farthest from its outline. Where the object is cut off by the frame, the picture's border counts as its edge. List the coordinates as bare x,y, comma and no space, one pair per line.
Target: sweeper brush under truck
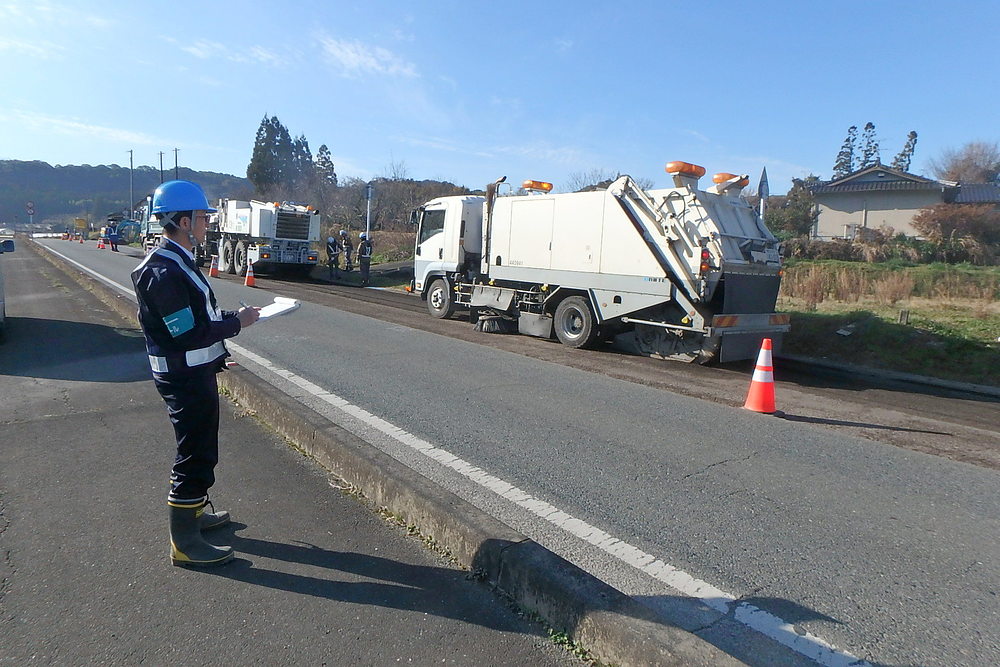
677,273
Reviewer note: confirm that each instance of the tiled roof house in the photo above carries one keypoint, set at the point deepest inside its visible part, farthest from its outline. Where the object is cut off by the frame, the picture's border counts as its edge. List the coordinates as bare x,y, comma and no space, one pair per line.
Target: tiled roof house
874,197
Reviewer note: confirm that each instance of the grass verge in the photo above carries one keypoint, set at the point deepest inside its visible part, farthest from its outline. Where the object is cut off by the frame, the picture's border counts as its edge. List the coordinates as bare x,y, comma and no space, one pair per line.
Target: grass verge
953,340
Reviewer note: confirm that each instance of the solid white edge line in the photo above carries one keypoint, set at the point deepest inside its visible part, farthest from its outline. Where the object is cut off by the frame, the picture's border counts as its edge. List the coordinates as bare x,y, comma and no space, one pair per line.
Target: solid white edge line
804,643
92,273
764,622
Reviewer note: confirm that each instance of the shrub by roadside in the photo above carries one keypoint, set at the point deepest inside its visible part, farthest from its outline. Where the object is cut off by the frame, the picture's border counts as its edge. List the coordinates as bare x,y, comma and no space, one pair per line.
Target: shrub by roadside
951,315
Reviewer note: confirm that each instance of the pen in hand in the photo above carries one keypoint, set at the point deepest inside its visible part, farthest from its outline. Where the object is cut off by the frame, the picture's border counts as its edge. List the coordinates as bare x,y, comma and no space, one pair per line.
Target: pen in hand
251,312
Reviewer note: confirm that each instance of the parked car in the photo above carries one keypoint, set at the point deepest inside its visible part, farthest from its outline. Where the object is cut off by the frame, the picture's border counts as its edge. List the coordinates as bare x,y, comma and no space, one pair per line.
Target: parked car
7,245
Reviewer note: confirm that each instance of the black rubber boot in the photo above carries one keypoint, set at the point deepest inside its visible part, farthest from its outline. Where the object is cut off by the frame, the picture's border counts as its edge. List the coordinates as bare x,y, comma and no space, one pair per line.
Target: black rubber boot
209,520
187,546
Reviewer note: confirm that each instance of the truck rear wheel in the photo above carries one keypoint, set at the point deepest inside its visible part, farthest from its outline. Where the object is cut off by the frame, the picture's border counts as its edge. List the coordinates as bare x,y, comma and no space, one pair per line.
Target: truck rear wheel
439,301
240,258
575,324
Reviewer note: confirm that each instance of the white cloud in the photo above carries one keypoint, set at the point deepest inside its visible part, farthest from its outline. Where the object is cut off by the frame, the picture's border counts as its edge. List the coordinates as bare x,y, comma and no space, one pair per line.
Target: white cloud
204,49
697,135
46,13
563,45
439,144
353,58
559,154
73,127
37,49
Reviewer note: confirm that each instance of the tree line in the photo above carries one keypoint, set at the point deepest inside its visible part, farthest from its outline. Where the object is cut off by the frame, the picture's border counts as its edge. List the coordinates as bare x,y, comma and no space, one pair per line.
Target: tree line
283,168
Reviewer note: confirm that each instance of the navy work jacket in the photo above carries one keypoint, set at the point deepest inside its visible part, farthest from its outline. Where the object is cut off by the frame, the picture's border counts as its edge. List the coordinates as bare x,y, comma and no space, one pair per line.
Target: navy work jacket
183,325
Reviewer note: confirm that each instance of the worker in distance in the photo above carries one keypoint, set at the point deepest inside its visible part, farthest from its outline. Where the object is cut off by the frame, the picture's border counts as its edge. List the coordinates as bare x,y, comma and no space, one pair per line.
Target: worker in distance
185,330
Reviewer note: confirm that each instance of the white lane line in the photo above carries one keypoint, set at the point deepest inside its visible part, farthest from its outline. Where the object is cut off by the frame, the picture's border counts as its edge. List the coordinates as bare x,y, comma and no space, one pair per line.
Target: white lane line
800,641
91,272
764,622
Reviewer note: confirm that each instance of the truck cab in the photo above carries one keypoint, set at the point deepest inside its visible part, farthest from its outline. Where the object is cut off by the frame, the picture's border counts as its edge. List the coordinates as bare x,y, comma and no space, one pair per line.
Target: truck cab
449,237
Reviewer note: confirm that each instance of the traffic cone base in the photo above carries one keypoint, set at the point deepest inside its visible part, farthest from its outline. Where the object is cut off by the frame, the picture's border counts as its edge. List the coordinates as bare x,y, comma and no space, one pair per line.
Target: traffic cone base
760,398
249,281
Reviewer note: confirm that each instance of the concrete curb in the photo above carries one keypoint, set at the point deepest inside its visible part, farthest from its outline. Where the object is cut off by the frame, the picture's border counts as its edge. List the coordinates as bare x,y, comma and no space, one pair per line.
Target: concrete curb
612,626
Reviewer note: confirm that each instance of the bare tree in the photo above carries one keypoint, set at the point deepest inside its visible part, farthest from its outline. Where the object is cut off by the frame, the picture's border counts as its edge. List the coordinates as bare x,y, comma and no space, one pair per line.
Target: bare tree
975,162
599,179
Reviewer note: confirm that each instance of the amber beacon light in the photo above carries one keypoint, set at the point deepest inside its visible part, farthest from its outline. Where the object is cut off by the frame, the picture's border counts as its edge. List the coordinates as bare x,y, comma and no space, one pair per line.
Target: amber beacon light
685,168
540,186
724,176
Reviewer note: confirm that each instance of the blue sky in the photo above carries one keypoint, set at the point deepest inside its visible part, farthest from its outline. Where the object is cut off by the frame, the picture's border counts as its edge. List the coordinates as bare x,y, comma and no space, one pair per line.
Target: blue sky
468,91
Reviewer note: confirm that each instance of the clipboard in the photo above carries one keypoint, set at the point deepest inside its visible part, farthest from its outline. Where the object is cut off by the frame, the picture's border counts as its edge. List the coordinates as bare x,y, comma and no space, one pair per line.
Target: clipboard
280,306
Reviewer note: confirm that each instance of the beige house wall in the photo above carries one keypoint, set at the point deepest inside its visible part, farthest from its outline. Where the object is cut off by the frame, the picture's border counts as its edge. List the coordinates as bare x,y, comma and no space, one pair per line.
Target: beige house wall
840,212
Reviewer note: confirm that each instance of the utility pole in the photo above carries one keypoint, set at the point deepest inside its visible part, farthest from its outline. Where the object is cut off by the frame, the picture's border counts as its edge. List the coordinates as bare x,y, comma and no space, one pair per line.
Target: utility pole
175,164
368,216
131,197
161,166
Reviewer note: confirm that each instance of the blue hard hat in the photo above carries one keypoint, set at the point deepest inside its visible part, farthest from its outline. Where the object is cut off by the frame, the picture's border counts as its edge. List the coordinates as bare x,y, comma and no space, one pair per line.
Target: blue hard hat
180,196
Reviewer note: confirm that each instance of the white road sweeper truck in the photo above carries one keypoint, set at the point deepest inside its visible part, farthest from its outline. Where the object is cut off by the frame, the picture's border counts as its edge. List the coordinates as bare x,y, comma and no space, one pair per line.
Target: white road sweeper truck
678,273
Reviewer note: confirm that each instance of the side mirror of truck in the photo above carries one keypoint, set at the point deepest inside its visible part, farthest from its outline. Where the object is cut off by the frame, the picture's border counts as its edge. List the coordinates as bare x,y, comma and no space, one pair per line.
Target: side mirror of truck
415,216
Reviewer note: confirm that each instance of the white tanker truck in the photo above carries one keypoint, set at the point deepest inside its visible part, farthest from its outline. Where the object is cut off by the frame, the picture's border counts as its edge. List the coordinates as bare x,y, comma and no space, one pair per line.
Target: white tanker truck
677,273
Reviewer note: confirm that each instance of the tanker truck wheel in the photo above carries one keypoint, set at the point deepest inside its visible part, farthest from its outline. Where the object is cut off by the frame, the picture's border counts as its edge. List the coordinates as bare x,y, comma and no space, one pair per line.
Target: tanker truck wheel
575,325
227,263
439,301
240,258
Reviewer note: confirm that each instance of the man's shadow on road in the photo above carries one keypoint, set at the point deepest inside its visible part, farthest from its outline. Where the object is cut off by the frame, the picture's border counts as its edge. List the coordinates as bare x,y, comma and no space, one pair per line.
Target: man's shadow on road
419,588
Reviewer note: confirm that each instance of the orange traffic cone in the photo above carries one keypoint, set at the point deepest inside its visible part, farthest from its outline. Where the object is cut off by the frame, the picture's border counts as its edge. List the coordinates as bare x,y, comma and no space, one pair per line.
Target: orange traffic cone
81,238
100,243
761,395
213,271
249,281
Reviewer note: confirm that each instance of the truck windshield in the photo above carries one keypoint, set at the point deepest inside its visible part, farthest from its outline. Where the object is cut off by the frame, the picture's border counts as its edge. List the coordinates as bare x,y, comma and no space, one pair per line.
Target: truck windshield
433,223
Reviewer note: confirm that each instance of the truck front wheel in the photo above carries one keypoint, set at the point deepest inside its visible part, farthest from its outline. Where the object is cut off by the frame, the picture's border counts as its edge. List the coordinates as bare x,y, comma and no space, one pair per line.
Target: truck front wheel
439,301
575,324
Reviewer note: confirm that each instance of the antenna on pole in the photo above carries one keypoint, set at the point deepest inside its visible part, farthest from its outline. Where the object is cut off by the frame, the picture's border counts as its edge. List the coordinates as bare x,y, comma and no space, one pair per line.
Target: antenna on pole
762,191
161,166
176,150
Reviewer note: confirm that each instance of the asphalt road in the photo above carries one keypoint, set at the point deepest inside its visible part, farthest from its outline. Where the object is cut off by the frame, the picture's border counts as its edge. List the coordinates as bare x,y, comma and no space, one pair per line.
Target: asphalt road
884,553
85,579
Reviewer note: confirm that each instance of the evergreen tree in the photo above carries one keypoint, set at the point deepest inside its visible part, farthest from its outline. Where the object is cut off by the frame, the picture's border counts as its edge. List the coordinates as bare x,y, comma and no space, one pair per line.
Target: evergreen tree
278,166
845,158
264,170
326,174
796,215
902,160
302,169
869,150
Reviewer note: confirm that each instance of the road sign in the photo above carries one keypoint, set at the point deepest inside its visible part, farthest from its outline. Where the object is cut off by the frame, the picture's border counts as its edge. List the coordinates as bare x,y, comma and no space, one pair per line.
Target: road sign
29,208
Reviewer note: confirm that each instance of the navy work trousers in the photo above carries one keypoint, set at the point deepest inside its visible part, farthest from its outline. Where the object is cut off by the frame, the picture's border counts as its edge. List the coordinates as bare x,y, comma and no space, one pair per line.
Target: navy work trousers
193,407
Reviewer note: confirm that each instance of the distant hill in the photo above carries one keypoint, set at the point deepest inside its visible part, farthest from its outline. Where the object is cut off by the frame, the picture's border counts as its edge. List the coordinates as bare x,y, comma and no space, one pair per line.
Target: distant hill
61,193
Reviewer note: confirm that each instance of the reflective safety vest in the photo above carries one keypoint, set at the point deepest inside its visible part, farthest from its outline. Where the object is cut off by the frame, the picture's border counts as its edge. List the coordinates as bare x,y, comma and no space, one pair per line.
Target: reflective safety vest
184,327
365,250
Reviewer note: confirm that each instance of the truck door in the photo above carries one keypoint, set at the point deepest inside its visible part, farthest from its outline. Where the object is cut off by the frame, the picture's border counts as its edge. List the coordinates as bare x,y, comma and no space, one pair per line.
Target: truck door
429,253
